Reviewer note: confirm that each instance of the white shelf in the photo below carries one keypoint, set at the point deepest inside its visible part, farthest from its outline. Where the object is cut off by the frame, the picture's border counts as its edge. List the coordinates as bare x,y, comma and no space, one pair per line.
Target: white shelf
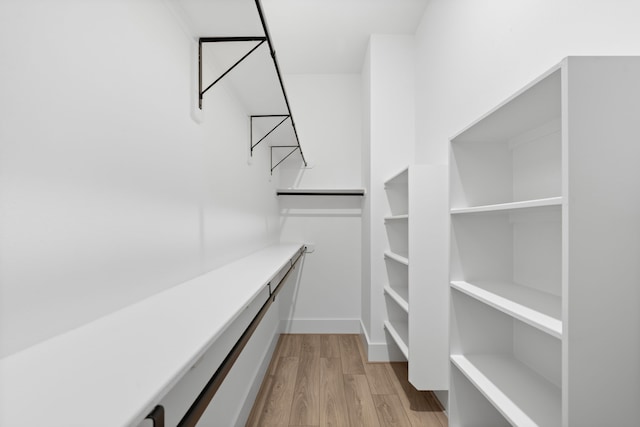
398,258
396,217
538,309
399,299
114,370
511,206
523,397
401,177
398,331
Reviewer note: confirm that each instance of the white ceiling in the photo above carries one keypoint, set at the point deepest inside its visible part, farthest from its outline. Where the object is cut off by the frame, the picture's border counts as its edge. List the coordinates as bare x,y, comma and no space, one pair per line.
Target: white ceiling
309,36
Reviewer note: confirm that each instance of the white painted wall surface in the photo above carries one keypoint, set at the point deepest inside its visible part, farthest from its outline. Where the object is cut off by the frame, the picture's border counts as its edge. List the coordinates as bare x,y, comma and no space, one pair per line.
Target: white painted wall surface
327,111
472,55
111,192
390,147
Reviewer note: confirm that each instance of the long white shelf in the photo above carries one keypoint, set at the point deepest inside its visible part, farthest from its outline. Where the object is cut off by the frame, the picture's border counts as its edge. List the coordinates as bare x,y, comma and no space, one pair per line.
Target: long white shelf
113,371
526,204
538,309
522,396
397,298
398,258
398,332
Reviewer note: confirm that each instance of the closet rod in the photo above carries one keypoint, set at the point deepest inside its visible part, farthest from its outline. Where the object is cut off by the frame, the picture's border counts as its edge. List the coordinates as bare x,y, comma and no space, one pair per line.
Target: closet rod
314,192
199,405
275,63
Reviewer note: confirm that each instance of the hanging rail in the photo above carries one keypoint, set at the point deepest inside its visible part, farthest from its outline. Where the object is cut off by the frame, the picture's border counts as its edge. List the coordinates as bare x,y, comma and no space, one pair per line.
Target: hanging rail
275,63
260,39
199,406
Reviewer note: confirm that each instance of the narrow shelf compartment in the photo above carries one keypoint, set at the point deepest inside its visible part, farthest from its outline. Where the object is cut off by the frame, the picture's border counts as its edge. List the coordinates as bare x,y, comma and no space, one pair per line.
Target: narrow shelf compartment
320,192
401,177
398,258
523,397
503,207
535,308
396,217
401,300
399,332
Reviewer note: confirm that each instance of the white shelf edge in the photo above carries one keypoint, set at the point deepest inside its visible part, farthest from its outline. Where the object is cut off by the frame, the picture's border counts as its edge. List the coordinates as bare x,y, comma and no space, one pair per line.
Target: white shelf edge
404,348
539,320
536,203
488,372
396,217
396,257
397,298
396,176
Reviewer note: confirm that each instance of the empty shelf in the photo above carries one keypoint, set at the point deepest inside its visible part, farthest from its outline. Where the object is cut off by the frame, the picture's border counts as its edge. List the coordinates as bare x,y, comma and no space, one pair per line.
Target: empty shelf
398,258
401,177
396,217
538,309
537,203
399,332
399,299
522,396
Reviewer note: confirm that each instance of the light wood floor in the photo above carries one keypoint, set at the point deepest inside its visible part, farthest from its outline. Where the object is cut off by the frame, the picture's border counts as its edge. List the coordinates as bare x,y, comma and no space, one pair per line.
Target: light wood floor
324,380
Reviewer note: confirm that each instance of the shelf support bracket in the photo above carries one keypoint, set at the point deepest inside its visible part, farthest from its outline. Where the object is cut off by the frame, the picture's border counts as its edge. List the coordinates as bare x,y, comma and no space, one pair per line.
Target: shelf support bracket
202,40
252,145
295,148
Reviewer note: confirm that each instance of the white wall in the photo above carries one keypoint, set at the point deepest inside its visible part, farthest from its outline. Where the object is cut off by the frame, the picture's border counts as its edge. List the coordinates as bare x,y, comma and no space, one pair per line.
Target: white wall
327,109
110,191
472,55
389,71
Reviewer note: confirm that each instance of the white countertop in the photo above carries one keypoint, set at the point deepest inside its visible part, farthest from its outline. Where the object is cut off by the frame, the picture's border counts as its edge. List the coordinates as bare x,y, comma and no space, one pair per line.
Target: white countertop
113,371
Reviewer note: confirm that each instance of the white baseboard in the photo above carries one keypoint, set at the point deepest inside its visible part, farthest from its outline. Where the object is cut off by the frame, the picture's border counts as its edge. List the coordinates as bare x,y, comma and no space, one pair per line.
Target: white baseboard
380,351
320,326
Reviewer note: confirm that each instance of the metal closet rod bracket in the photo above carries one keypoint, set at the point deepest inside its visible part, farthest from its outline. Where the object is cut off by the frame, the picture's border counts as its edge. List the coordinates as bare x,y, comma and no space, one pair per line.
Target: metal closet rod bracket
251,144
260,40
295,148
202,40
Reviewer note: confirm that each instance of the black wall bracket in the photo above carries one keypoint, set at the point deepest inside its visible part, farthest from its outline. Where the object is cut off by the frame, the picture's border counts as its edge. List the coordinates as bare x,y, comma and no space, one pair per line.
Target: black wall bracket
203,40
260,40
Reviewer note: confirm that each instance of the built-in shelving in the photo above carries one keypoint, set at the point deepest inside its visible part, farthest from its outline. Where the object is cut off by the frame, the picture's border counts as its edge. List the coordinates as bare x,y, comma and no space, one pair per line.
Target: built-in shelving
396,217
417,207
511,206
401,300
397,258
538,309
399,331
543,271
521,395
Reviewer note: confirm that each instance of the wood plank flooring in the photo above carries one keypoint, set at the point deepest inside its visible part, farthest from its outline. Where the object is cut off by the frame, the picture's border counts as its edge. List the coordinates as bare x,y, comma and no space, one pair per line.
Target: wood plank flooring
325,380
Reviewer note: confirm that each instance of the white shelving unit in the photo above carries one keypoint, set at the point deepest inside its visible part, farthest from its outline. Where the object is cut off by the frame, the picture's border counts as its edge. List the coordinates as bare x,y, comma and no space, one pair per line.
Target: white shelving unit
543,276
416,228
